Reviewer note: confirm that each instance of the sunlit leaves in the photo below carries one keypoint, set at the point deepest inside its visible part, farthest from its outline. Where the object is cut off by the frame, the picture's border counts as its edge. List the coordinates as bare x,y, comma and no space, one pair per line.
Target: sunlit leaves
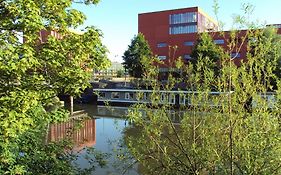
34,72
235,131
136,56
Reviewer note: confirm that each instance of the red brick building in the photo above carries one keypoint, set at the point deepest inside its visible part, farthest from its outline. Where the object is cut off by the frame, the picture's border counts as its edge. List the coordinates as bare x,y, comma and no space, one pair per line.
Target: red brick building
43,35
180,27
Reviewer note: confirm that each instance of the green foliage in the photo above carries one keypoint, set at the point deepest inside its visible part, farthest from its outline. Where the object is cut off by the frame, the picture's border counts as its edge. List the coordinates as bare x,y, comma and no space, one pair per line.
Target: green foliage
234,132
33,73
274,54
133,56
205,48
120,73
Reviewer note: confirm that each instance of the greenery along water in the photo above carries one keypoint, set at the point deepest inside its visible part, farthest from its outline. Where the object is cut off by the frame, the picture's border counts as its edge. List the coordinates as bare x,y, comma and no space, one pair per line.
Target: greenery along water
35,71
236,139
241,136
107,131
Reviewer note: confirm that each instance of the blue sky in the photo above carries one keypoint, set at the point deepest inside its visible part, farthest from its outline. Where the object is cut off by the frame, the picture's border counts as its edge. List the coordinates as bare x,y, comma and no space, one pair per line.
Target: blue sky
118,19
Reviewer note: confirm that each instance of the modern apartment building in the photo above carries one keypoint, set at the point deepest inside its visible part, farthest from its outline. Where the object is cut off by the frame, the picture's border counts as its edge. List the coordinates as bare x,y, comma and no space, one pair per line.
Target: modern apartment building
180,27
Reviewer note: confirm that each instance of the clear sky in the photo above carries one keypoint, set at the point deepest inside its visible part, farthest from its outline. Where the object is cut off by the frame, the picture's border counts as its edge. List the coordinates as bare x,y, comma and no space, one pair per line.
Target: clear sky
118,19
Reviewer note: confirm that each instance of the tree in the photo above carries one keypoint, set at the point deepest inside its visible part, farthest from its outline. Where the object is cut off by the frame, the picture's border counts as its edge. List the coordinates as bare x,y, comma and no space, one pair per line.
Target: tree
120,73
269,38
205,48
31,76
133,56
217,134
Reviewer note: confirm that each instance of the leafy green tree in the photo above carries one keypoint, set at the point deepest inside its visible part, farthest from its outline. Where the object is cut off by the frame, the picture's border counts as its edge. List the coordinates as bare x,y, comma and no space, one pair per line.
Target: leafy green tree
216,134
270,38
206,48
133,56
33,73
120,73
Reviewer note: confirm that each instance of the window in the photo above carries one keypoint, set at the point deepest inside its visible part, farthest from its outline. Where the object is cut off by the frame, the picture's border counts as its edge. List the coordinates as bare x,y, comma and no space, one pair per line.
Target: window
182,99
162,57
189,43
187,57
180,18
235,55
172,98
102,95
182,29
129,96
162,45
219,41
115,95
163,98
144,96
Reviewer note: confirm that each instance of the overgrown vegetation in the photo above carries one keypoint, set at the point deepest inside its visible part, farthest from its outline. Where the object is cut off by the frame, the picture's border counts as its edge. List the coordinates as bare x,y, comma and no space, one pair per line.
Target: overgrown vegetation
33,73
234,132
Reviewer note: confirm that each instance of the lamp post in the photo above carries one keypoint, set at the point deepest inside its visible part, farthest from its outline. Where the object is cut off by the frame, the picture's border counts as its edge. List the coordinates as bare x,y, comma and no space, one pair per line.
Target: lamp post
115,67
125,77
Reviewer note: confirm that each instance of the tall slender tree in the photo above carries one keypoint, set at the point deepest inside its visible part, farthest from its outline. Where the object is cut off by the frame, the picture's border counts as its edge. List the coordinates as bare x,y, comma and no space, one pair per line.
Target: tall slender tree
133,57
206,48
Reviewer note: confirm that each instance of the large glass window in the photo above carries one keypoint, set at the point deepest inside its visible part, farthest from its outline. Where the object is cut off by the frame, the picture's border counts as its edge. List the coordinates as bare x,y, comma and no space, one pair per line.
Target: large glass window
183,29
189,43
183,18
219,41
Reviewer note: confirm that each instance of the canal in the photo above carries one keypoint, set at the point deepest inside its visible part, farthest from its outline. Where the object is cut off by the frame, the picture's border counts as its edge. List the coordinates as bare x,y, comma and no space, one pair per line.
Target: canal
104,131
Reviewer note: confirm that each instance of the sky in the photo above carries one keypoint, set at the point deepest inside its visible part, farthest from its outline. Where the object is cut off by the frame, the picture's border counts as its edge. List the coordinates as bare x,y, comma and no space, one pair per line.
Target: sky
118,19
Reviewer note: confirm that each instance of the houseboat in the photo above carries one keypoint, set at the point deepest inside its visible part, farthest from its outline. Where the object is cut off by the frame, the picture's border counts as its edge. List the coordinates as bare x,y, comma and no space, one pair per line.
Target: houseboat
125,97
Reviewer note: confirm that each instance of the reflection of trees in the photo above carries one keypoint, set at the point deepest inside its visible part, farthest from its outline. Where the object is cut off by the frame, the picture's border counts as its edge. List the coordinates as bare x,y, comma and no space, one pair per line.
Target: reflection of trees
138,141
162,148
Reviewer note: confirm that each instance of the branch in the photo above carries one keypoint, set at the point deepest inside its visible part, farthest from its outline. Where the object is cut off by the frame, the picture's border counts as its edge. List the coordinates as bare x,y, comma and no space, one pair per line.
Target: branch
181,145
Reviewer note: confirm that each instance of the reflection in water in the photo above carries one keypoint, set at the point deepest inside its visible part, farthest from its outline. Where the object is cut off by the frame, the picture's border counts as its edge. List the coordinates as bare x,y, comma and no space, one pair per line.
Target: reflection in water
106,132
109,126
81,137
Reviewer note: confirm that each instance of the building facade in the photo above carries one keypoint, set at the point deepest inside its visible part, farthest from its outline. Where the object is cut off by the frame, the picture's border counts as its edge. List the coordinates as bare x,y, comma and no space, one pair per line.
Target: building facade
173,33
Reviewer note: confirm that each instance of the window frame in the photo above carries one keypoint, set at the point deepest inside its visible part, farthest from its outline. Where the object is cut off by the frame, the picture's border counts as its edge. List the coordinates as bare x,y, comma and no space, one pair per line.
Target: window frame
219,41
235,55
188,43
129,96
162,44
162,57
115,95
